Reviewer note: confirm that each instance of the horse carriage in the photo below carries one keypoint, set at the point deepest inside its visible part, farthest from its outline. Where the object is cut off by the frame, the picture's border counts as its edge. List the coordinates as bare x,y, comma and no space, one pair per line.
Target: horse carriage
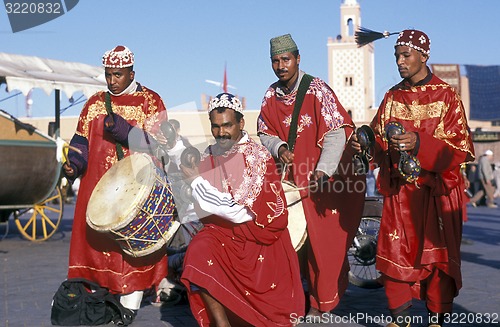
30,179
31,160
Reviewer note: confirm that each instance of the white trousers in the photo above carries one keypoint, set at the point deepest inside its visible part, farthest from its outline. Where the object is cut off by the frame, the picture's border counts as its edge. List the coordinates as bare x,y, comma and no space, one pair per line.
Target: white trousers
132,301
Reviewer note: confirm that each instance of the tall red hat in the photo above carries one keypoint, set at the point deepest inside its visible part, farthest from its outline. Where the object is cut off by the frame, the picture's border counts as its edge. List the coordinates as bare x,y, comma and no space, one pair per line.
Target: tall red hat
119,57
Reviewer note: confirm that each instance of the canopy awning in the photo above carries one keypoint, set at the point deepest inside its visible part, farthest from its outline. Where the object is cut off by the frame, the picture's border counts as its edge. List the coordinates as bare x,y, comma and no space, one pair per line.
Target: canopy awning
26,72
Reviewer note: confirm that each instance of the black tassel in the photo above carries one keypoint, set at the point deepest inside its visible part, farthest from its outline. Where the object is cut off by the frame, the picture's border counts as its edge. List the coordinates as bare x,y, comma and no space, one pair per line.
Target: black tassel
363,36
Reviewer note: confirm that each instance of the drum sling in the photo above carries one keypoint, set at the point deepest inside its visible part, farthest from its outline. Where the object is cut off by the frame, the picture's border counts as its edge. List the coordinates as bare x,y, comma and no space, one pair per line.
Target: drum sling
301,93
297,225
109,110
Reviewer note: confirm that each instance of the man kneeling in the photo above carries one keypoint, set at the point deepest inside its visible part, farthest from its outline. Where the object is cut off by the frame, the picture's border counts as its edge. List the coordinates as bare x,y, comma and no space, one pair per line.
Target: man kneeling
241,268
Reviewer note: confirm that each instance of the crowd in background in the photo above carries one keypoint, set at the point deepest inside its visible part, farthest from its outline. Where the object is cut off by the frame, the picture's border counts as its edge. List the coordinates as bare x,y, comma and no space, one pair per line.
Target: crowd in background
483,181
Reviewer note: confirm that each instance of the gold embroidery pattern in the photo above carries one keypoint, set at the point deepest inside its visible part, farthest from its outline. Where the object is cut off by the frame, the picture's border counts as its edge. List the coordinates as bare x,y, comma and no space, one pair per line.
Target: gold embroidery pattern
116,273
144,119
152,108
94,110
127,112
394,235
393,263
112,157
416,112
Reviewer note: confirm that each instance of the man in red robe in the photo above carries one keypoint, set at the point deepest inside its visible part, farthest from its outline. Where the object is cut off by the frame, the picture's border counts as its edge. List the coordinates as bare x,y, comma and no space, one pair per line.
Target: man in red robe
418,251
93,255
241,268
319,158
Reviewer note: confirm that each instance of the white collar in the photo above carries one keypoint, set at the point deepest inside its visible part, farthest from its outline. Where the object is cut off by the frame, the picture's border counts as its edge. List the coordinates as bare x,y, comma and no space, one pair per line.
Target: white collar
244,138
128,90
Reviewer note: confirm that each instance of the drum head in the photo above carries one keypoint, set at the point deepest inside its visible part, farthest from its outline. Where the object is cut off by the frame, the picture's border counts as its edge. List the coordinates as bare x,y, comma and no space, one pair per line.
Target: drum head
297,225
118,195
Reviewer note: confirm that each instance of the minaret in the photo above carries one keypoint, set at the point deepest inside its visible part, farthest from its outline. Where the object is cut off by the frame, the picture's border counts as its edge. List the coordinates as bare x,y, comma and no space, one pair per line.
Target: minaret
351,71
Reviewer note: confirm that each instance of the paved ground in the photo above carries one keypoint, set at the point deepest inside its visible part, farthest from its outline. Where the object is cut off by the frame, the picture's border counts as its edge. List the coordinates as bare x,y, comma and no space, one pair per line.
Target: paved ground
31,272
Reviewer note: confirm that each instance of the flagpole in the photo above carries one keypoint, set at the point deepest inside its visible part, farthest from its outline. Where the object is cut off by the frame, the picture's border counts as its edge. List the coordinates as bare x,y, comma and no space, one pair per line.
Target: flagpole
224,85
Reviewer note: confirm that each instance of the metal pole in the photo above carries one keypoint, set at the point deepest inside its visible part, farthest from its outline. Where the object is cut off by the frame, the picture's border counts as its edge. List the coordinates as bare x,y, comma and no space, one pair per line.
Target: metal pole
58,112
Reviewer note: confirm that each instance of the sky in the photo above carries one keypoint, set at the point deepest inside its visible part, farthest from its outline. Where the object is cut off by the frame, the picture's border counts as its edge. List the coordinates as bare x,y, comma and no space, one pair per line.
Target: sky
178,45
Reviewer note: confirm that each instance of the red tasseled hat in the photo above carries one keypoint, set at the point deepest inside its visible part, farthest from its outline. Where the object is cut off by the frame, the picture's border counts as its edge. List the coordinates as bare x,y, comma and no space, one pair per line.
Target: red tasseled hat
415,39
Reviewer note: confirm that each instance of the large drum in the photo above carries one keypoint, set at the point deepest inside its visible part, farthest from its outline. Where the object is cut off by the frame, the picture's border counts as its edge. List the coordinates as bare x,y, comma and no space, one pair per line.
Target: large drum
297,225
133,203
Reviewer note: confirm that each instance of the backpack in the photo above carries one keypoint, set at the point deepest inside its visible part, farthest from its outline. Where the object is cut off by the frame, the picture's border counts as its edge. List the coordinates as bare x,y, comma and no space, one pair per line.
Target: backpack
75,304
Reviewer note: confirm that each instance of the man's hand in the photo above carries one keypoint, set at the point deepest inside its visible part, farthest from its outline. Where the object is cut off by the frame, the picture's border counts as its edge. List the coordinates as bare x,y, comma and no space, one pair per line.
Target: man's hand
404,142
355,144
316,181
70,172
190,172
161,139
109,121
286,156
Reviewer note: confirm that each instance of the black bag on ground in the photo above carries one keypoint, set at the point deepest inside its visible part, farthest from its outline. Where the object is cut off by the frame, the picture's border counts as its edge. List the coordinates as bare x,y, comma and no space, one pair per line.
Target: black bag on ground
74,304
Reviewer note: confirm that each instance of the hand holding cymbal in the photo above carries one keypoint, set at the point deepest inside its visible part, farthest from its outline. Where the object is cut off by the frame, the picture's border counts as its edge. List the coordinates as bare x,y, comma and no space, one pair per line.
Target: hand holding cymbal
365,138
408,166
190,157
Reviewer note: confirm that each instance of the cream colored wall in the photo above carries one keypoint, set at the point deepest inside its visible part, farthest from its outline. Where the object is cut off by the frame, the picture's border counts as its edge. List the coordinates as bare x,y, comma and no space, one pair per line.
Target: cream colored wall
68,125
194,125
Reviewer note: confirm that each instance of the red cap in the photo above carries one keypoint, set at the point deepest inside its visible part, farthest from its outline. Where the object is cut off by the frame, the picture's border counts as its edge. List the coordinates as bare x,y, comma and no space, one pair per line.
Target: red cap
415,39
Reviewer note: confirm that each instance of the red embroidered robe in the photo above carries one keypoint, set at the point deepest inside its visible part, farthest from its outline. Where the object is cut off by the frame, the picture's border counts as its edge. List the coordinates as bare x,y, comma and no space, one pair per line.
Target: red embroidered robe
332,216
93,255
251,268
422,222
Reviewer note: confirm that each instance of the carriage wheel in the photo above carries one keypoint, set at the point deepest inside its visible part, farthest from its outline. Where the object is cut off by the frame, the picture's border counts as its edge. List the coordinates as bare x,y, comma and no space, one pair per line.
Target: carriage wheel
41,221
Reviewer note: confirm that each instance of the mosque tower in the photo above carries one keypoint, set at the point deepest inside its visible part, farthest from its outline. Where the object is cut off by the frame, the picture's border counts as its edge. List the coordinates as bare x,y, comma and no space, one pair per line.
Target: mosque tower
351,70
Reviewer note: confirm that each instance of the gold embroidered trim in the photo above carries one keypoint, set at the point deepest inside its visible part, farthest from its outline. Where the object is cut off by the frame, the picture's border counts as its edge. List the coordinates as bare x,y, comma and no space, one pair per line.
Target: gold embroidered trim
111,271
393,263
417,112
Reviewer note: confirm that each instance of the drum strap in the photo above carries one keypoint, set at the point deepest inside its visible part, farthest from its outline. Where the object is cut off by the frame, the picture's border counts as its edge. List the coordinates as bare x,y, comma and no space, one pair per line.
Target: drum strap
119,147
301,93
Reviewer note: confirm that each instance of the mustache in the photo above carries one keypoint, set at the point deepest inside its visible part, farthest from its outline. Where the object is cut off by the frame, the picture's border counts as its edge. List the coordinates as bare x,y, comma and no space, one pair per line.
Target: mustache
282,71
223,137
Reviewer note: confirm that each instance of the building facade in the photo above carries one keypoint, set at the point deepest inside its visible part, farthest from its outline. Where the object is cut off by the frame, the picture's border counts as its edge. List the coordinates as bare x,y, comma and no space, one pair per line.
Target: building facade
351,71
